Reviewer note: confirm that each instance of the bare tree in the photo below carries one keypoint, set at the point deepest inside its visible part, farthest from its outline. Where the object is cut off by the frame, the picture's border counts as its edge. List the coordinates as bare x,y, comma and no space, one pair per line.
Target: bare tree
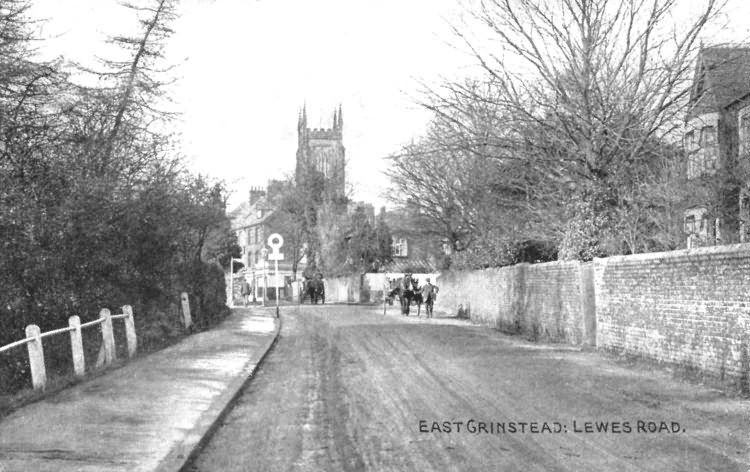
592,89
132,88
466,176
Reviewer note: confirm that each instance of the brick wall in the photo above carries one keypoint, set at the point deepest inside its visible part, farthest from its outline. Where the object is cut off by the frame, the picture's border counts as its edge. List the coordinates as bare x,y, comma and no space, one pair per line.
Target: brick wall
688,307
541,301
487,294
551,307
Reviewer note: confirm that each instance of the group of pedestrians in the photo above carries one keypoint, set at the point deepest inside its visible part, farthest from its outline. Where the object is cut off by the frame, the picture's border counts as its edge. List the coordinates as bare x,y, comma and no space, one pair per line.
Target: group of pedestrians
428,292
407,289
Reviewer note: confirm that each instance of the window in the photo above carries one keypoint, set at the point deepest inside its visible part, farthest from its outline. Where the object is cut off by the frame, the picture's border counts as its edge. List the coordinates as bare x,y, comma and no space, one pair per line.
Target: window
744,215
708,146
691,149
242,237
399,248
702,153
696,224
744,134
690,225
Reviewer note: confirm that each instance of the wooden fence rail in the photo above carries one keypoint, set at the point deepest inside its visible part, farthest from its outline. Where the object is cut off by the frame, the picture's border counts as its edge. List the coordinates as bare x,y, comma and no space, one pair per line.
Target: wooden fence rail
107,355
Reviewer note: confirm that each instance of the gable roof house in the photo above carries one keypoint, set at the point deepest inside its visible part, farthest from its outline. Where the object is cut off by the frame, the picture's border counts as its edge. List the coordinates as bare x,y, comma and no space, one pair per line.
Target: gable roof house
411,249
716,138
253,221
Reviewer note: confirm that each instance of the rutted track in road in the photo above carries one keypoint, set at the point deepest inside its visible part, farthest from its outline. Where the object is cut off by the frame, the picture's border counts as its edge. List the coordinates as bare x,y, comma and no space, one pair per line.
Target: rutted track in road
345,389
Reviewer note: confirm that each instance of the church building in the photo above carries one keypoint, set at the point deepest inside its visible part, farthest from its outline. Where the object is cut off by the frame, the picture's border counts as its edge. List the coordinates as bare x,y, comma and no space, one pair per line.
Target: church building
322,150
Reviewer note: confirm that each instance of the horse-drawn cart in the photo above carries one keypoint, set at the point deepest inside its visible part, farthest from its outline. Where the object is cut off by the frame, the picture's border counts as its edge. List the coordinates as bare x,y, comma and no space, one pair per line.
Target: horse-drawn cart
313,289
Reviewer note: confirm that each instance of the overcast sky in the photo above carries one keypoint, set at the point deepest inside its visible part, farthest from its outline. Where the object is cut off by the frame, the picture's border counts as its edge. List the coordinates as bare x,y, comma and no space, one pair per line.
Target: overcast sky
247,66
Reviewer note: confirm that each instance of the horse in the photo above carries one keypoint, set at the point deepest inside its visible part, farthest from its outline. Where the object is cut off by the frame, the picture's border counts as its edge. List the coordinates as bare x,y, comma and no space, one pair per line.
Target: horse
417,297
404,291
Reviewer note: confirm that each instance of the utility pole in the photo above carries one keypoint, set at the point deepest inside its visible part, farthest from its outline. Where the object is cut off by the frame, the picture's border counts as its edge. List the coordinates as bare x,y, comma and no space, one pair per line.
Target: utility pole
264,256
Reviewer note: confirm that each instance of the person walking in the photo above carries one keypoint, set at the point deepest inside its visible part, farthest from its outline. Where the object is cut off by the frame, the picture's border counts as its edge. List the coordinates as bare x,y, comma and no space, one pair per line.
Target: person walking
245,291
429,294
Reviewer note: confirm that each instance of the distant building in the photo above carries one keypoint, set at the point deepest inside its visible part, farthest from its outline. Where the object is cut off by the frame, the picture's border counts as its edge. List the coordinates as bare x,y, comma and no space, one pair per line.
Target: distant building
321,153
412,250
322,150
717,143
368,209
253,222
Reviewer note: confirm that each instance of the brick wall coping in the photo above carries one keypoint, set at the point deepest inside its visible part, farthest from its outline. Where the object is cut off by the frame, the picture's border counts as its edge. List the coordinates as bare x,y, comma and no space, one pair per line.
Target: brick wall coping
526,264
570,262
728,250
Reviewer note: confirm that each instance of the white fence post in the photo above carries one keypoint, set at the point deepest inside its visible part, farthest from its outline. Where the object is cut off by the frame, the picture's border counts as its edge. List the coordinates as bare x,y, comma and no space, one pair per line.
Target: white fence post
76,345
130,330
108,337
186,318
36,357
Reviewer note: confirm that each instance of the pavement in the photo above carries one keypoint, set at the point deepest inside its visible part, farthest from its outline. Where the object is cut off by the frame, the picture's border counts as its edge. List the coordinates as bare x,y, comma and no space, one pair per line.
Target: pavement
152,414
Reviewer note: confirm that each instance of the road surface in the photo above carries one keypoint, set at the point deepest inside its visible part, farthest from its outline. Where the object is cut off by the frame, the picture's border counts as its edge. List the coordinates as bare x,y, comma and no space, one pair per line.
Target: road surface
346,388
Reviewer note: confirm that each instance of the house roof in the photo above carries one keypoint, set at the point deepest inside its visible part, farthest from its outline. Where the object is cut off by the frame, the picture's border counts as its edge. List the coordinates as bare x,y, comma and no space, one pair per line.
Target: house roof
246,214
722,75
409,265
401,221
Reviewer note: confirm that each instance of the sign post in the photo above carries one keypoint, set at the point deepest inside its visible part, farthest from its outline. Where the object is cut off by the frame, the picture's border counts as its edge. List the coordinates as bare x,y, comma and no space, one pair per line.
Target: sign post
276,241
264,256
385,294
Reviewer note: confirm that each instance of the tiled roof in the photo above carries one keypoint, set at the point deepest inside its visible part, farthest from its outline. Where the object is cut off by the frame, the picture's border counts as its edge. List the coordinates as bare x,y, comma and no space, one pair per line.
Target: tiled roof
727,77
401,221
409,265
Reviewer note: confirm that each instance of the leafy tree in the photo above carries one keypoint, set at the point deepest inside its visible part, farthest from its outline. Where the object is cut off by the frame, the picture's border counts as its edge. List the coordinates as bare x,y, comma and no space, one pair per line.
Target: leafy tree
366,246
297,218
95,207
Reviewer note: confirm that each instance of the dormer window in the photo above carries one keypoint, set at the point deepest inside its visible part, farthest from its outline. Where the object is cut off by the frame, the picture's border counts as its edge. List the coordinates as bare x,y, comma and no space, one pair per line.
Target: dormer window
702,150
399,248
260,213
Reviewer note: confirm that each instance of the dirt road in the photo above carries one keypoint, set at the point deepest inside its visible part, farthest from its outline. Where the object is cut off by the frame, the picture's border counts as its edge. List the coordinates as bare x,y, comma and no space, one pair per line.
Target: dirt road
346,388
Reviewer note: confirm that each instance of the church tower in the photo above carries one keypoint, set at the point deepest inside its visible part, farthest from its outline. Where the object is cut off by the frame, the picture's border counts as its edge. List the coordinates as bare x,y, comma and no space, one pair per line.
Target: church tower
322,150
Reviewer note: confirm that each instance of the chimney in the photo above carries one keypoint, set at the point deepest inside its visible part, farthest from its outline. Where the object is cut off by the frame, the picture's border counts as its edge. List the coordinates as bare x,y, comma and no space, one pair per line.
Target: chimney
412,207
256,193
